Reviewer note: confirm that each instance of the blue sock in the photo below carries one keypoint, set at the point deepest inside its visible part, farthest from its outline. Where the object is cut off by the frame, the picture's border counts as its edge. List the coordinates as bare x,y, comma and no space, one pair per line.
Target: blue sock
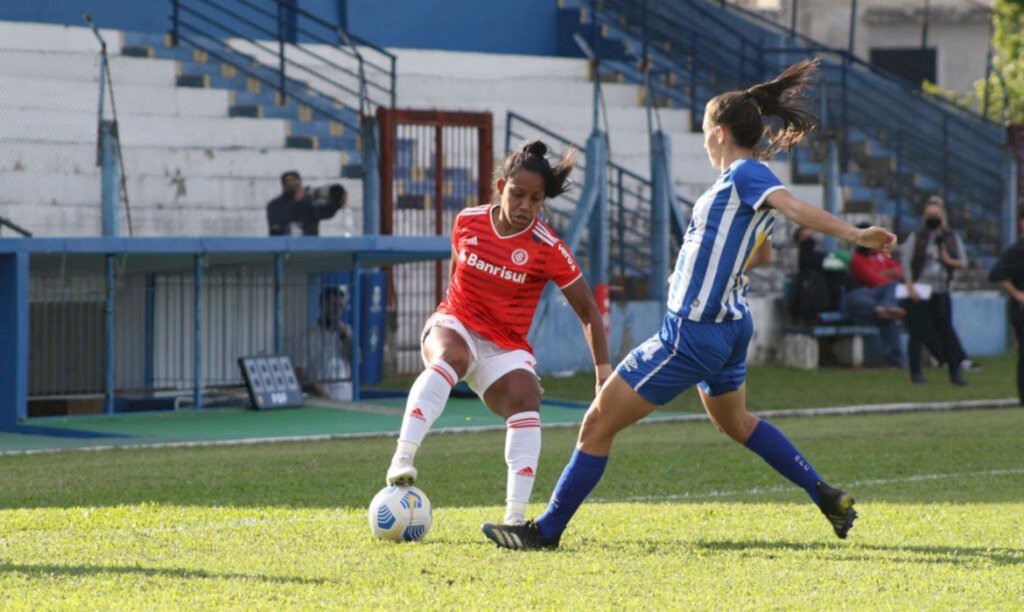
777,451
578,479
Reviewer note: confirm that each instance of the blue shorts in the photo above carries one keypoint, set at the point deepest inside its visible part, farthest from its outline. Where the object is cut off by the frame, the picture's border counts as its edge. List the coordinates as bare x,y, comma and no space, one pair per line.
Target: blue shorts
685,353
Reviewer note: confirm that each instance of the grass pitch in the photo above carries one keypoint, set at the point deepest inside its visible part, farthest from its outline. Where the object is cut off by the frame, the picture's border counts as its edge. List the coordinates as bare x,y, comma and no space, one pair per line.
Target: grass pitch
684,518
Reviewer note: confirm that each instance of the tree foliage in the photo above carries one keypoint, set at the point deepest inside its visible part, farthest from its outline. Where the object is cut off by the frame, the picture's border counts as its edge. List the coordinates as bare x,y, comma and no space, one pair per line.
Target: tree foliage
1005,82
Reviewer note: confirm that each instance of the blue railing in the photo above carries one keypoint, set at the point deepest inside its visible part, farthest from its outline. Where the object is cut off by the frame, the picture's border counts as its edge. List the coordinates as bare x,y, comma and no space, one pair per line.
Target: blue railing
314,61
629,204
925,146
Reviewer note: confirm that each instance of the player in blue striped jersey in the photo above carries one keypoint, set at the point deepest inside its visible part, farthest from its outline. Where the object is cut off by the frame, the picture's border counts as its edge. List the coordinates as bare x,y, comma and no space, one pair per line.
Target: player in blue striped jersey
703,339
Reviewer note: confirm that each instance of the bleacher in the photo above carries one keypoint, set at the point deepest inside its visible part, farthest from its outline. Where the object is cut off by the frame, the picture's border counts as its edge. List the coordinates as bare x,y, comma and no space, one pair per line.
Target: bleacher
897,145
192,165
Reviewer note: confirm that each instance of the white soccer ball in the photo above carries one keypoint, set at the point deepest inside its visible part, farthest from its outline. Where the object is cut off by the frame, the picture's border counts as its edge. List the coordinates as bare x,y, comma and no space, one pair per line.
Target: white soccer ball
400,514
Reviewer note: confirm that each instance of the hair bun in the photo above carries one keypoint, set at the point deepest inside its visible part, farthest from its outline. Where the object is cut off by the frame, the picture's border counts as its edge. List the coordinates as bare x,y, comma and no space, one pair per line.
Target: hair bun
536,147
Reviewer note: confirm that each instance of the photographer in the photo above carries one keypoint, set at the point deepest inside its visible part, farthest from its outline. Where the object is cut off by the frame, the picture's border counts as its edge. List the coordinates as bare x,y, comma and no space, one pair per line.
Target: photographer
298,211
930,255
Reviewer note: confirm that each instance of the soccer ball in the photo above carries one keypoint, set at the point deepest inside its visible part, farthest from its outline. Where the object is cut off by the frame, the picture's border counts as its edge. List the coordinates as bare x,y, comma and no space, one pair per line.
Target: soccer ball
400,514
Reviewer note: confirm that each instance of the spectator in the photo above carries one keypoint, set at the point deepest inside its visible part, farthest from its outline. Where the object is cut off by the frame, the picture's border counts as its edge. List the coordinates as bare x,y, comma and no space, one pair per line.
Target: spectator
810,294
322,363
297,212
1009,273
875,298
930,255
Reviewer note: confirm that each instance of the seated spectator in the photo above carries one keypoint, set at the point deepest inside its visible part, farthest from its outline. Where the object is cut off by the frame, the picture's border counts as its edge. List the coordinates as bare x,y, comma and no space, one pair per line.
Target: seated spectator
875,299
297,211
321,362
810,294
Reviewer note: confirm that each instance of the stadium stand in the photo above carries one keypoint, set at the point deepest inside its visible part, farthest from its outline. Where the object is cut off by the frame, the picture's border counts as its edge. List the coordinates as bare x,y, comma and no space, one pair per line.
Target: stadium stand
193,165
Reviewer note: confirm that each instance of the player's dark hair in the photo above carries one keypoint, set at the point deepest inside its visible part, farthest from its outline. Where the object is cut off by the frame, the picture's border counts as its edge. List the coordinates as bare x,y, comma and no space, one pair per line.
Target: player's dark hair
532,157
743,112
290,174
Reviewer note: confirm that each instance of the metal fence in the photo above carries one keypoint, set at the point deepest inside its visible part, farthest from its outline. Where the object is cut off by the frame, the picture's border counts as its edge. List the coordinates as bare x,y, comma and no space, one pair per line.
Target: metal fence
629,212
434,164
158,319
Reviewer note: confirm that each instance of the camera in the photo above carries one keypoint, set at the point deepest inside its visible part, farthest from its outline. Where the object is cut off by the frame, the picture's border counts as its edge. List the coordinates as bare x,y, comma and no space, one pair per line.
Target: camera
333,194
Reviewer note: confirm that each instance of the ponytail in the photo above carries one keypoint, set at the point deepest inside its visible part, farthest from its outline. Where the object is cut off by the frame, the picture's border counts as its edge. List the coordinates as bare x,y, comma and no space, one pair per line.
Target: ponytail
742,112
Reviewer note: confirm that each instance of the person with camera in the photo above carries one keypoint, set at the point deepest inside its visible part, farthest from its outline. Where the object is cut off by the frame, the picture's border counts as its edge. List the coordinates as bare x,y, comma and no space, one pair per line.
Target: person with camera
930,255
298,211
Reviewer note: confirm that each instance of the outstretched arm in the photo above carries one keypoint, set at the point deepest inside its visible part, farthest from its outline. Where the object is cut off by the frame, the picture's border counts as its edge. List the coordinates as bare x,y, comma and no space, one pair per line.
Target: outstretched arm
582,301
802,213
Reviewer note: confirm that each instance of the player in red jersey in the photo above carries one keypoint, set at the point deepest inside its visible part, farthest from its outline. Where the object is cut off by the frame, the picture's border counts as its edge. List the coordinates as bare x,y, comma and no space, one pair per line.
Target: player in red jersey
502,257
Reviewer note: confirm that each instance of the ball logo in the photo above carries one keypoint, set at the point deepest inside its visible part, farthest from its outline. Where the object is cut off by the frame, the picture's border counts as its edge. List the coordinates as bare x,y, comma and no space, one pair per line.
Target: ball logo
520,257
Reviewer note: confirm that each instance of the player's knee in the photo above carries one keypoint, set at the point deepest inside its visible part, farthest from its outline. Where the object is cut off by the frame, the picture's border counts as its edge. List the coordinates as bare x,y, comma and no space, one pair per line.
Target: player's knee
457,358
521,402
595,429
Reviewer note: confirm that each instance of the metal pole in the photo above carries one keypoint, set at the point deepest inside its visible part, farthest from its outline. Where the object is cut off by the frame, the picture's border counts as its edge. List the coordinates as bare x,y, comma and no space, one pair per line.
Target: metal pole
597,147
924,25
110,179
1010,214
898,218
14,338
150,347
281,95
357,326
853,25
108,334
832,195
792,19
661,195
278,303
988,65
174,23
197,334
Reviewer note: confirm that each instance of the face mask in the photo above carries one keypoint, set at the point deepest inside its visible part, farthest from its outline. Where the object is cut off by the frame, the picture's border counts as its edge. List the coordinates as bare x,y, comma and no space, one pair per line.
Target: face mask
807,244
932,222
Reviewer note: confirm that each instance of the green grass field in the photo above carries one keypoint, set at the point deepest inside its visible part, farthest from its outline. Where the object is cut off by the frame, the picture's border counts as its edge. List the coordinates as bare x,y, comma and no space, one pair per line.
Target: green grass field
684,518
773,387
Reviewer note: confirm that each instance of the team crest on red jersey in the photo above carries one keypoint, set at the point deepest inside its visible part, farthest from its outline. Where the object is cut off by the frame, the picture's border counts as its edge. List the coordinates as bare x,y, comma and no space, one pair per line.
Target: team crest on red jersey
520,257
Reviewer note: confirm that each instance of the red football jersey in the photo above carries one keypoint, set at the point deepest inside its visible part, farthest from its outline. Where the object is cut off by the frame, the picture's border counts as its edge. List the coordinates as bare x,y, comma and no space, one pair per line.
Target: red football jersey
498,280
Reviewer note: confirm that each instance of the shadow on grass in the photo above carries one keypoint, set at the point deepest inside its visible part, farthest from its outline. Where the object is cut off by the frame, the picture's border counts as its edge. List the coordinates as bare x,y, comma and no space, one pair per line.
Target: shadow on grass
907,554
43,570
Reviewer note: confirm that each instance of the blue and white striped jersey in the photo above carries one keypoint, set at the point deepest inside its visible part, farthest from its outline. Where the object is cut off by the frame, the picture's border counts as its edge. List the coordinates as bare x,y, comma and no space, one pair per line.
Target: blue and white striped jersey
728,222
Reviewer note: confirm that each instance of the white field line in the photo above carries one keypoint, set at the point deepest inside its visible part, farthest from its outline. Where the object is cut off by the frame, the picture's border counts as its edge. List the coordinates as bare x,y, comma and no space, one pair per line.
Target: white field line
874,482
681,418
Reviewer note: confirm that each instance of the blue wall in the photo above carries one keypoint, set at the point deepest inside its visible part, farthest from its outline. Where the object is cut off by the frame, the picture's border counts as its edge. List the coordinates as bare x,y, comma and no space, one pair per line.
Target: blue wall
141,15
495,26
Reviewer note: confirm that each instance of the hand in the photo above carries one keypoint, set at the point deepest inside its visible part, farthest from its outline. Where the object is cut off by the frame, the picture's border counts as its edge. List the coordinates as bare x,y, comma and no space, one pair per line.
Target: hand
912,292
875,237
603,372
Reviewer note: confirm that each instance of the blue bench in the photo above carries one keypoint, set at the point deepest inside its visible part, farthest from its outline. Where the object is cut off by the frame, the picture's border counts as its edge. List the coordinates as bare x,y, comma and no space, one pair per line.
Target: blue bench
830,327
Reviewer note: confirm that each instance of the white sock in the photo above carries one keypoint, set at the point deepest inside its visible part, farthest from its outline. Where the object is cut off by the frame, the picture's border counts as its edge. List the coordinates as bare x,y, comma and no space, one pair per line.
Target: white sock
522,448
427,398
